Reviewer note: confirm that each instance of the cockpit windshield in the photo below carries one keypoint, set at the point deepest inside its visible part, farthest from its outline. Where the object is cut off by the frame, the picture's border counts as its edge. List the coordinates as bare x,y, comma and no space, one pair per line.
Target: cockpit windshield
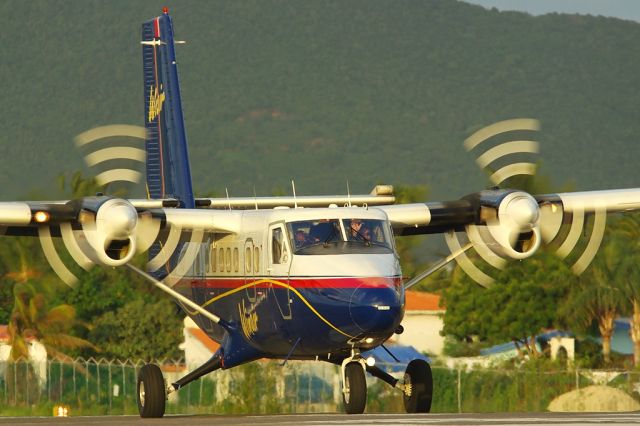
348,235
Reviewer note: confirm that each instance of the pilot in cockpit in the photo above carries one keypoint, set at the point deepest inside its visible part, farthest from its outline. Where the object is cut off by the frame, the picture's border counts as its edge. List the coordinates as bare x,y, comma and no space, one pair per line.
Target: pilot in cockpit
359,231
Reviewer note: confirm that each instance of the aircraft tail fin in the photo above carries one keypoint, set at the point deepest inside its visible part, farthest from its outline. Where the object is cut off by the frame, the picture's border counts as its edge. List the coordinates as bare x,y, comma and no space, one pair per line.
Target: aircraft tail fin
168,171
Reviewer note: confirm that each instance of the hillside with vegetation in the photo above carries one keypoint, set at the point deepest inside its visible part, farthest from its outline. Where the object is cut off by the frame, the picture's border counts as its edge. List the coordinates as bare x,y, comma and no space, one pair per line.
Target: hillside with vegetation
324,92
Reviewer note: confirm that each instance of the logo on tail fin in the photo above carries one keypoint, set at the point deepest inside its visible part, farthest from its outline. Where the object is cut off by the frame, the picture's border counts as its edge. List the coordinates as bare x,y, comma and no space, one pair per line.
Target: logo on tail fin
156,99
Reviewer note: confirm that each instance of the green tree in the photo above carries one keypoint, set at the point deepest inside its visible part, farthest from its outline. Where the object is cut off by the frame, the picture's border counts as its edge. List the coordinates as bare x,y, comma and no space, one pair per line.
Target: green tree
140,330
627,229
33,318
521,303
600,296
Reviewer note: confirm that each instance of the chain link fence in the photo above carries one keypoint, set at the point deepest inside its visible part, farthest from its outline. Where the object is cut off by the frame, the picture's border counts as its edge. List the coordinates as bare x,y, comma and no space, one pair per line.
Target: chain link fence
101,386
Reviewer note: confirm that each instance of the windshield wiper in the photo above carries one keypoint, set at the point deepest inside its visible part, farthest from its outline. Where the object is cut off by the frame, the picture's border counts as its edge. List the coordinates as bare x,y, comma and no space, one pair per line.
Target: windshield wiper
330,236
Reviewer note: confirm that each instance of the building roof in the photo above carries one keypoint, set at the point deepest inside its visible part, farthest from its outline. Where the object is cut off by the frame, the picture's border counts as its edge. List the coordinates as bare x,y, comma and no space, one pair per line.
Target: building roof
422,301
4,333
203,338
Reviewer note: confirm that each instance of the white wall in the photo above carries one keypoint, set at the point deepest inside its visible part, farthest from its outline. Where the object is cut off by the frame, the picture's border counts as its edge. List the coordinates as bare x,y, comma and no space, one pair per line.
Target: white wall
422,331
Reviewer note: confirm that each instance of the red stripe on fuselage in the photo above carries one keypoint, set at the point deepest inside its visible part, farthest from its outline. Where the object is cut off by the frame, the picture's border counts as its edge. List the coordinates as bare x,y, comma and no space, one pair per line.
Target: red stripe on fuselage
156,27
316,282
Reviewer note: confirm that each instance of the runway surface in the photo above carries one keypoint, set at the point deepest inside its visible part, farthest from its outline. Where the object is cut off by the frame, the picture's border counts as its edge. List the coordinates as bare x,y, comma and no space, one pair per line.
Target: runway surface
563,419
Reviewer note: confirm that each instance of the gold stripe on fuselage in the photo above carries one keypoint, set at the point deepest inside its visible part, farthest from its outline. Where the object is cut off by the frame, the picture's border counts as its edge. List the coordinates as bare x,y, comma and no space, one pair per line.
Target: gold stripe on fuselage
280,284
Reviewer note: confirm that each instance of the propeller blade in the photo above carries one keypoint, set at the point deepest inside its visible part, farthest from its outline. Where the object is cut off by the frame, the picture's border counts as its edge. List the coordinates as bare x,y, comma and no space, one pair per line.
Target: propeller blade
146,232
73,247
575,231
189,256
50,253
502,150
551,216
167,250
597,233
481,236
465,263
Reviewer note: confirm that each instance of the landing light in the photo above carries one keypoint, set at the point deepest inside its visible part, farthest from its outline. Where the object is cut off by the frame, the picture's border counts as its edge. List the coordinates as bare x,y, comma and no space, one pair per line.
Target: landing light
41,217
371,361
368,340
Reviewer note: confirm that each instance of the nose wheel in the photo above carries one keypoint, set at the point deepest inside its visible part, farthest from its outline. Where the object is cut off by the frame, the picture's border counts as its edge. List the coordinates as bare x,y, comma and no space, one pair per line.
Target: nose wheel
354,389
152,393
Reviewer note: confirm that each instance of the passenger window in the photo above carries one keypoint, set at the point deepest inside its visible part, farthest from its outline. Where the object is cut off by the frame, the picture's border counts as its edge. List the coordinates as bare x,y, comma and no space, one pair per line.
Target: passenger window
236,259
221,260
247,259
228,259
212,258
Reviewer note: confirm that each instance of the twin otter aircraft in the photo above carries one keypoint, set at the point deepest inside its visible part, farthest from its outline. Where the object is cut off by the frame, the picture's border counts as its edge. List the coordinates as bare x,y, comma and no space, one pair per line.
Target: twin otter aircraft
306,278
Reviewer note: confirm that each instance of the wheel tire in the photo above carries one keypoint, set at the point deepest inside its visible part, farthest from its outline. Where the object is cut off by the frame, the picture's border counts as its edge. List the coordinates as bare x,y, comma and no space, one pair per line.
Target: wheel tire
152,394
355,397
418,374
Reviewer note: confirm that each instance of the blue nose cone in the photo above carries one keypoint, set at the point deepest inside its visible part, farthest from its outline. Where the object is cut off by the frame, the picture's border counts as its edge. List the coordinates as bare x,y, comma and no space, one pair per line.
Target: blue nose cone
376,310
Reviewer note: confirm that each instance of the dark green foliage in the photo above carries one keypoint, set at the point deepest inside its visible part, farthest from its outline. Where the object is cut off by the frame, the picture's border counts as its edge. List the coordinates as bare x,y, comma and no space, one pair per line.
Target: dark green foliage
140,330
524,300
324,92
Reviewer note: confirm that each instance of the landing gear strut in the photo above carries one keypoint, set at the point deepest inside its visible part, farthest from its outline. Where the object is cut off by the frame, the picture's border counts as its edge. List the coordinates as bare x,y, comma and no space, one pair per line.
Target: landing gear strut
354,384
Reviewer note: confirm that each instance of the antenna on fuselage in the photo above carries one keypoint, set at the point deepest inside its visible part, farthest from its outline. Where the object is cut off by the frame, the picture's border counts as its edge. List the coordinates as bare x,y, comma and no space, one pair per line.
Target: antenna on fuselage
228,199
348,194
255,197
293,187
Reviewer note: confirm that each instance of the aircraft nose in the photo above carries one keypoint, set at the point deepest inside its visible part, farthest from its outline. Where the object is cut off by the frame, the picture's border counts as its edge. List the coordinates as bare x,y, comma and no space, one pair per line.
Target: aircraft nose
375,310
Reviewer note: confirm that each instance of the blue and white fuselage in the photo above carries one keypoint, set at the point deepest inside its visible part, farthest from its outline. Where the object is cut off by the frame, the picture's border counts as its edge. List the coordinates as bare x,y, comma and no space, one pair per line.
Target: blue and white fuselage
306,297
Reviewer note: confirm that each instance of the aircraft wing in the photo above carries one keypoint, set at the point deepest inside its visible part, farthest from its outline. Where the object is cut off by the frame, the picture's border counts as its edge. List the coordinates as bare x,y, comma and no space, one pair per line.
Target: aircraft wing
109,231
512,224
438,217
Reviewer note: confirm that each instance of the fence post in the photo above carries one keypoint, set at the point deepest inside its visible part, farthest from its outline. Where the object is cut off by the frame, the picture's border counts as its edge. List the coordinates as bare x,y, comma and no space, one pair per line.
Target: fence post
75,390
577,379
86,365
124,389
48,364
459,390
110,385
27,377
61,366
98,381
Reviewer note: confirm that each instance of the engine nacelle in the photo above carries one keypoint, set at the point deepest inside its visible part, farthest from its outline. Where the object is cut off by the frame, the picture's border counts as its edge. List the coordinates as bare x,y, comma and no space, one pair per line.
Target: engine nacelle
108,226
509,224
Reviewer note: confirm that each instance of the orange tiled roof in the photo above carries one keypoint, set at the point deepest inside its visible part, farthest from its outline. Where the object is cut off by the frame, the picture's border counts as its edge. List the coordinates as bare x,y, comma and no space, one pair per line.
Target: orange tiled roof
421,301
204,339
4,334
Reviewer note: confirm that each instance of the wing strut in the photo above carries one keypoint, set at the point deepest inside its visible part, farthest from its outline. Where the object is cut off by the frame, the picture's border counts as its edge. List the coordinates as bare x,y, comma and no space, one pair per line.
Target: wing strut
162,286
415,280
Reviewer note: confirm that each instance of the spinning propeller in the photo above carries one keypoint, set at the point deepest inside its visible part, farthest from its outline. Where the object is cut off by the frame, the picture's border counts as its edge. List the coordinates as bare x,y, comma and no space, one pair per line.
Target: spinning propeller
512,224
108,231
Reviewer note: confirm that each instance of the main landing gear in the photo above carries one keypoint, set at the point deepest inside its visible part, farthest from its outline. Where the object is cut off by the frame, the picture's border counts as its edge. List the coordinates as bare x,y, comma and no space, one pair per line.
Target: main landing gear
152,390
416,386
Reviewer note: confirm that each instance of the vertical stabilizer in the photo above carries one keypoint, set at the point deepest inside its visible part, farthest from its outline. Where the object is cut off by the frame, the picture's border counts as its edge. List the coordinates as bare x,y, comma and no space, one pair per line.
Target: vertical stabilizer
168,171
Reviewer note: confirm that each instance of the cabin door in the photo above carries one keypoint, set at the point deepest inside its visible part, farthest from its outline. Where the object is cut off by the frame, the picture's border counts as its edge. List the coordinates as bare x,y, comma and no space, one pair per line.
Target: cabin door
279,262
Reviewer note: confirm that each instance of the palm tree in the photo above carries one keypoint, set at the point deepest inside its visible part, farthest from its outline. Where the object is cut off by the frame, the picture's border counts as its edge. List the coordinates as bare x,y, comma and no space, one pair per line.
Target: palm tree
31,318
628,230
600,295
